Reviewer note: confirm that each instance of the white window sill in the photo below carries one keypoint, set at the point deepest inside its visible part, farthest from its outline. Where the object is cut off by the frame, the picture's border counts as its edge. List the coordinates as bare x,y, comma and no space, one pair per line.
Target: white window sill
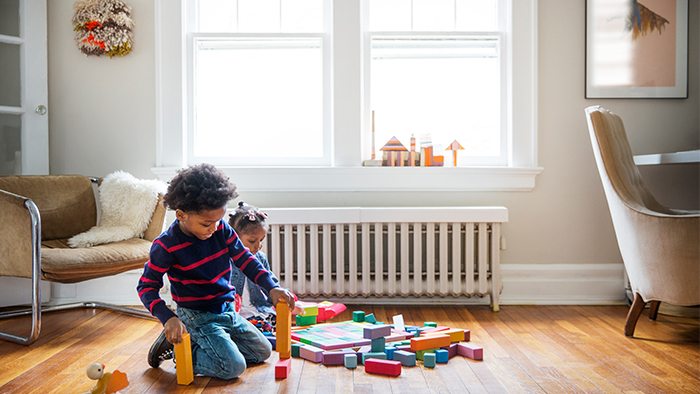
369,179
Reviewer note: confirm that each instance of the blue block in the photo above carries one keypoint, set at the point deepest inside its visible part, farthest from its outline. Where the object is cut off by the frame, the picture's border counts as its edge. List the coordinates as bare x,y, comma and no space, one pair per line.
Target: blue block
429,360
370,318
378,345
441,356
389,351
350,361
407,359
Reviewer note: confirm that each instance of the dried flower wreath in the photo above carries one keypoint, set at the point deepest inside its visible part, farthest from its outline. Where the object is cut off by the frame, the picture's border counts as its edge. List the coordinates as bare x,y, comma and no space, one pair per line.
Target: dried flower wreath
103,27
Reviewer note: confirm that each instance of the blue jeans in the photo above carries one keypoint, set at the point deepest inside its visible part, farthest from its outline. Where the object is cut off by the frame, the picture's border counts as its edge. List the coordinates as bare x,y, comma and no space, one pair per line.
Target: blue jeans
223,343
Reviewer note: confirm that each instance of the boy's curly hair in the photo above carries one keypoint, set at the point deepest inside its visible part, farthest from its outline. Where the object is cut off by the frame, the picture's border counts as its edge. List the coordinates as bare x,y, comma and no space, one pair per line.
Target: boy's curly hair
198,188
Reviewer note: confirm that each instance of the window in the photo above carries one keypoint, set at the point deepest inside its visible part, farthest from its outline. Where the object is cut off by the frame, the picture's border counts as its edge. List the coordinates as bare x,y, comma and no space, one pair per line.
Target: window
335,62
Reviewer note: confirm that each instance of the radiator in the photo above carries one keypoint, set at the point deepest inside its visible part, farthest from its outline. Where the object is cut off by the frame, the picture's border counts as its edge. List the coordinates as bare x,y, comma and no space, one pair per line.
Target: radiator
382,255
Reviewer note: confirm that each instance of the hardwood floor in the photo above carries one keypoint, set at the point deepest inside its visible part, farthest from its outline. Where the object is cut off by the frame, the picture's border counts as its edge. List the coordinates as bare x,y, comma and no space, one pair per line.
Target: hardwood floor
527,349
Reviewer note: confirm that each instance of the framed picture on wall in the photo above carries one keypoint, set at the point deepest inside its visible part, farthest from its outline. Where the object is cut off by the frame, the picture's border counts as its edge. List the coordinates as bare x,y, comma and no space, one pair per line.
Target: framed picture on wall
636,48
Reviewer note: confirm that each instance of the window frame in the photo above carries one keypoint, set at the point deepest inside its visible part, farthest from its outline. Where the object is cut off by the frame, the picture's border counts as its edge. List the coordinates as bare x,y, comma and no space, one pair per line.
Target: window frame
349,113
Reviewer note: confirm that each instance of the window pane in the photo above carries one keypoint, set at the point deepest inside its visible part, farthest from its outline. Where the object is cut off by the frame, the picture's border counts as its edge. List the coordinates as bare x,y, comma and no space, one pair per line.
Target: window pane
9,18
217,16
259,98
10,144
10,77
302,16
258,15
435,15
477,15
390,15
448,88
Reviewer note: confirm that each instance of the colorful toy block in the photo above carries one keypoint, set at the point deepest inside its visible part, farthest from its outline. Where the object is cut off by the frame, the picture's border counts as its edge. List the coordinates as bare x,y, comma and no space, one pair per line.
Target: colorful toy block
273,341
366,356
428,330
429,360
370,318
326,310
451,350
307,308
296,346
183,355
389,351
350,360
373,332
358,316
284,365
284,330
398,322
441,356
384,367
311,353
378,344
430,342
456,334
430,324
420,354
341,335
336,358
407,359
305,320
470,351
467,335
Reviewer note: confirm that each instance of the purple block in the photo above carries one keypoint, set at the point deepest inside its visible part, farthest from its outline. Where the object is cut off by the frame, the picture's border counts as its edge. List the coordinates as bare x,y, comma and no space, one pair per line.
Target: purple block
311,353
374,332
336,358
273,342
470,351
451,350
363,349
405,348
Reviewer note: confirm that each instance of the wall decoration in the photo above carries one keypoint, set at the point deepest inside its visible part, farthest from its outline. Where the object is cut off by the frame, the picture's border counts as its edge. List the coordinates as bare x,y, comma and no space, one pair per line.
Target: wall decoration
636,48
103,27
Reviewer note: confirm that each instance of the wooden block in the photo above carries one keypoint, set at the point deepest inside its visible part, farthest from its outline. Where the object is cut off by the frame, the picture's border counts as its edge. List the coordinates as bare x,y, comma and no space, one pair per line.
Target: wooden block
311,353
335,358
358,316
378,344
305,320
429,360
389,351
451,350
373,332
284,330
467,335
350,360
420,354
456,334
384,367
273,342
296,346
441,356
367,356
427,330
370,318
284,365
407,359
470,351
429,342
430,324
183,355
308,308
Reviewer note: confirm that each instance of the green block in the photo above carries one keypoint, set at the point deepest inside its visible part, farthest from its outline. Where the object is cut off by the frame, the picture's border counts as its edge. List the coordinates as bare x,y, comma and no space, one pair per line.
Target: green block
421,353
378,345
380,355
306,320
295,349
370,318
358,316
429,360
430,324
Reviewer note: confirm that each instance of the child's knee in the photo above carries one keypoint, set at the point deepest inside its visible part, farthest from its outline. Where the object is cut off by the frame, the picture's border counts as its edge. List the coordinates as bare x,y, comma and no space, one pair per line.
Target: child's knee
232,370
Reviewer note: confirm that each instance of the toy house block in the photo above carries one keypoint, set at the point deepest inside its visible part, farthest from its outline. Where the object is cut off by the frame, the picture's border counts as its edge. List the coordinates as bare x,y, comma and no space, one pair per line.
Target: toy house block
305,320
389,351
384,367
455,334
430,324
307,308
284,330
370,318
311,353
358,316
373,332
451,350
429,360
366,356
421,353
407,359
378,345
336,358
470,351
326,310
441,356
350,360
284,365
183,355
273,342
296,346
430,342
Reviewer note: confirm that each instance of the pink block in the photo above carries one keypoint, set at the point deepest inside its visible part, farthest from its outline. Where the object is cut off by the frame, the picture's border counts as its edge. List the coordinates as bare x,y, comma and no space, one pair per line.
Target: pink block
311,353
339,345
282,368
467,335
385,367
435,329
470,351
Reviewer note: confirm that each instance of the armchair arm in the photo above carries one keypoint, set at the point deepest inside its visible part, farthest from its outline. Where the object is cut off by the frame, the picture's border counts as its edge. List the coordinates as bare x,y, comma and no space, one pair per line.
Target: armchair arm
20,235
157,221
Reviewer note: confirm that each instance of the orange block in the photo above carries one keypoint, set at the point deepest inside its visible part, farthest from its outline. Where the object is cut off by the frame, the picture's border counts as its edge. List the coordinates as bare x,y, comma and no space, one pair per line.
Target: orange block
183,355
284,330
456,334
430,342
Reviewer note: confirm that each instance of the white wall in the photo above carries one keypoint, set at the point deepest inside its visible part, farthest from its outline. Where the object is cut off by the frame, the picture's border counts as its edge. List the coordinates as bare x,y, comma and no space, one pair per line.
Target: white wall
102,119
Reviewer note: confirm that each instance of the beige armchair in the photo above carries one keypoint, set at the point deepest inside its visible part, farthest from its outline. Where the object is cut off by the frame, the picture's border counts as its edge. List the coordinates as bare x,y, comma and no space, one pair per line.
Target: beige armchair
660,246
40,213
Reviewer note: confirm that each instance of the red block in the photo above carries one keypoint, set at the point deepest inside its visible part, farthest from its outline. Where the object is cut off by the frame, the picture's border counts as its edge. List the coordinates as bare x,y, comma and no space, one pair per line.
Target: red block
282,368
470,351
384,367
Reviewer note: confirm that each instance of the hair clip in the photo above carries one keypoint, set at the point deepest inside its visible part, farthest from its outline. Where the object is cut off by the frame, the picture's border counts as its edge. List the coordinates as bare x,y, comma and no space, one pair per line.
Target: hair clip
251,215
263,214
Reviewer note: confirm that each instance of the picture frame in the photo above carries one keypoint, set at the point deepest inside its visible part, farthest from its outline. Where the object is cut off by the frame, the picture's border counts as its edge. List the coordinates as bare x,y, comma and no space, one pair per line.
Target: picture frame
636,49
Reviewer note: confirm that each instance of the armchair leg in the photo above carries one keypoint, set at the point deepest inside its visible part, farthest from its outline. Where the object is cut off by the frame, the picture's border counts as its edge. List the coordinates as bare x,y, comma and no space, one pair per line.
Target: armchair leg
635,311
653,309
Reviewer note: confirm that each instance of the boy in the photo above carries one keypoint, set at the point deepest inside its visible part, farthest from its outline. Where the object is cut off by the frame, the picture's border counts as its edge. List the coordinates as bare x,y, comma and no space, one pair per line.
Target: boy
195,253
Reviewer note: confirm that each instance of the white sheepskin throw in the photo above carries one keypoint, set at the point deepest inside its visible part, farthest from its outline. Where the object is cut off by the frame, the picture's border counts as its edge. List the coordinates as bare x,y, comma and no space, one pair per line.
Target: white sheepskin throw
127,206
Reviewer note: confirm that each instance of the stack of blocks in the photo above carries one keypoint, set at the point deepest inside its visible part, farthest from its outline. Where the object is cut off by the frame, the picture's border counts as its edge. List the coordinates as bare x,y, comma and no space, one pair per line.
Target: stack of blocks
332,344
284,340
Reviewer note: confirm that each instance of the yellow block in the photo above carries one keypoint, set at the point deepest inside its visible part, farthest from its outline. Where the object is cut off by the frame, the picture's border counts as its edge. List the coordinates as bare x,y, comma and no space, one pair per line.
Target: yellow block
284,330
431,342
183,357
456,334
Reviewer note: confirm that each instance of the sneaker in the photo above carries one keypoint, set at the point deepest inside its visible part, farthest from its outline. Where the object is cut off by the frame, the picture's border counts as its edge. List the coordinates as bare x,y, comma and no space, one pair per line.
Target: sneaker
161,350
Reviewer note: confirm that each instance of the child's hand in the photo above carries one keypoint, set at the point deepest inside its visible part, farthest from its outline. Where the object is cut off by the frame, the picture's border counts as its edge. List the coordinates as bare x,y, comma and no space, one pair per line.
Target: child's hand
174,329
279,294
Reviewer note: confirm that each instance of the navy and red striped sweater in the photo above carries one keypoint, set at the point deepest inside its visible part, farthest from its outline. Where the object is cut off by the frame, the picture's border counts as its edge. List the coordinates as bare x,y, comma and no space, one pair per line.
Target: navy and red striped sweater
199,270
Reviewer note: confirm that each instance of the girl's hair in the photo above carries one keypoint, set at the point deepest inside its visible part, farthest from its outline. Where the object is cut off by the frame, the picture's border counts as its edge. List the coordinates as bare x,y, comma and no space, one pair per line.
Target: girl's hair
247,217
198,188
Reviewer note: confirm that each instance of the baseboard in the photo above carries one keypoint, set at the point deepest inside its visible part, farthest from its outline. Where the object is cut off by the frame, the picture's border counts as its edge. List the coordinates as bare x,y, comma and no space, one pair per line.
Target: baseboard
542,284
18,291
